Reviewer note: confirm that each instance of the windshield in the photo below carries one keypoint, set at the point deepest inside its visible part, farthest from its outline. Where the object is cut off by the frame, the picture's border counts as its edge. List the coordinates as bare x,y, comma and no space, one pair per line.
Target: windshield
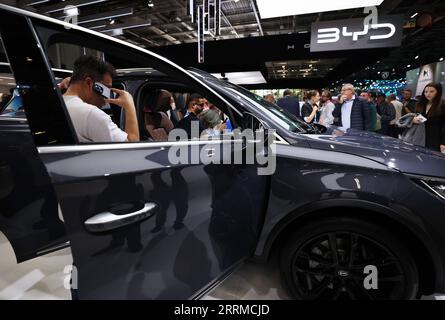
15,104
287,120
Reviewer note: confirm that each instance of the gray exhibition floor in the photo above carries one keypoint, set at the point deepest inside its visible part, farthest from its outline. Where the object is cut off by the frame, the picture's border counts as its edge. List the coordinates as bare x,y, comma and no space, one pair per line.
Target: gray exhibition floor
44,277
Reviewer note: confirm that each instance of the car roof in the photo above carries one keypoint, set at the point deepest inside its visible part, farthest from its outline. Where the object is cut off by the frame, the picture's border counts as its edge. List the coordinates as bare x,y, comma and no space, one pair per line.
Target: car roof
88,31
67,25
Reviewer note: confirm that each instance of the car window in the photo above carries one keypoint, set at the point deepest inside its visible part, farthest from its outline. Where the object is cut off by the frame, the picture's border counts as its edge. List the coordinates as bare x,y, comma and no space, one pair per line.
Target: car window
14,104
283,118
156,118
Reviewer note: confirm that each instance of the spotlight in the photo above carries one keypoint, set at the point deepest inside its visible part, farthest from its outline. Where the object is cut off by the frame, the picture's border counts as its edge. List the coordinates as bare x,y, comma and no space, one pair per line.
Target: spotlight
150,4
441,59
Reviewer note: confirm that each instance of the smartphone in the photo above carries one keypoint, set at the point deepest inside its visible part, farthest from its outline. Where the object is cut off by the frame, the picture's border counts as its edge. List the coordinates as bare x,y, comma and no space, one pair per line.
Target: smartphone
421,118
103,90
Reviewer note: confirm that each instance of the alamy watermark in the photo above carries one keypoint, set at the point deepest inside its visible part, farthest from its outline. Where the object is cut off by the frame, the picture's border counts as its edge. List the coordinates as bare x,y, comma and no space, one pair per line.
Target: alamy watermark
236,147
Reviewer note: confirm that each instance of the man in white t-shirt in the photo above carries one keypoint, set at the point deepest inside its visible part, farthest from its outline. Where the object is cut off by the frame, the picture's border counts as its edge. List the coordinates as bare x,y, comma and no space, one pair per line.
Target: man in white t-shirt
83,104
393,130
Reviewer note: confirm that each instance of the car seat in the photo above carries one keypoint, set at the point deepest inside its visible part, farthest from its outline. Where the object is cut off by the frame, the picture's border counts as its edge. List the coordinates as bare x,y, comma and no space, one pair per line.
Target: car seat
157,124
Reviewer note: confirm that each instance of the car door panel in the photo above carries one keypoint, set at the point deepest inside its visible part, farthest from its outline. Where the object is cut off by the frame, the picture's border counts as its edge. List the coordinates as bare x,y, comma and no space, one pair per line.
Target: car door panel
206,215
197,233
28,204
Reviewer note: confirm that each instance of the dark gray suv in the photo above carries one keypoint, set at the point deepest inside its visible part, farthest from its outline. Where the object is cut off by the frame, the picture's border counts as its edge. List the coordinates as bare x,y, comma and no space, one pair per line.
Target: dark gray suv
338,203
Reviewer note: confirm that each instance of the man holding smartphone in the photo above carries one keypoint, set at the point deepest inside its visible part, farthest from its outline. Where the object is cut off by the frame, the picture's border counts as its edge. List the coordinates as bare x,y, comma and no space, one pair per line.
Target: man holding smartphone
83,100
351,112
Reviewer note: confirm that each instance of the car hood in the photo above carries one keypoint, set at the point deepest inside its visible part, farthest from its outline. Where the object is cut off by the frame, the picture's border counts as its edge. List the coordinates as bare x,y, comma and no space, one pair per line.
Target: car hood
392,152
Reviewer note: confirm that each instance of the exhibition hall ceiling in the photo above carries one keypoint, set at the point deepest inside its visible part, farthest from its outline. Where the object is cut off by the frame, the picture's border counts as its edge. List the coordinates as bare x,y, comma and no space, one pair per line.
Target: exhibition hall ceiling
161,24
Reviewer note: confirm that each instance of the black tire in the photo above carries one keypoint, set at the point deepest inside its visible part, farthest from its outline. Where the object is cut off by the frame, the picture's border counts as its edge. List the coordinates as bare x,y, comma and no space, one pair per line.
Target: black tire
309,271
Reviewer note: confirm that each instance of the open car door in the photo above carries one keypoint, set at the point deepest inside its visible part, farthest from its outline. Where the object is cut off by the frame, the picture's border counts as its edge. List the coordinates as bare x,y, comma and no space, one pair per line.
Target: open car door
140,226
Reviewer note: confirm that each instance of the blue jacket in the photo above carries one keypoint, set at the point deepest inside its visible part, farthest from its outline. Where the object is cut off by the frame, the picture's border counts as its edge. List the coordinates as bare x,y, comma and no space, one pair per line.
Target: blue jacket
290,104
360,115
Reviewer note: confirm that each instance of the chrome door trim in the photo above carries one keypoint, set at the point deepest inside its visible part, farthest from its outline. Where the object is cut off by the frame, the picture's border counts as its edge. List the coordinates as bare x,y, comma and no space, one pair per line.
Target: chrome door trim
106,221
129,145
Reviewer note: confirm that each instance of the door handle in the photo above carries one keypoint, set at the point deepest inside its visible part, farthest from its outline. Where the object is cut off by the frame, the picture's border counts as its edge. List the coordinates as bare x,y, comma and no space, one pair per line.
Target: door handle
107,221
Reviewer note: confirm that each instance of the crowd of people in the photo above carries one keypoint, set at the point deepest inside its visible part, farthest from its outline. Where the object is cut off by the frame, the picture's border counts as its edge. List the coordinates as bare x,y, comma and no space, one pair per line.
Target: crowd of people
421,121
373,112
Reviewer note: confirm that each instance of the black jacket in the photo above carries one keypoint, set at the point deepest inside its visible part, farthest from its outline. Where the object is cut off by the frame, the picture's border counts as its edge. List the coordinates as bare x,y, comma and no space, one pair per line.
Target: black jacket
306,110
186,124
290,104
360,115
435,128
386,111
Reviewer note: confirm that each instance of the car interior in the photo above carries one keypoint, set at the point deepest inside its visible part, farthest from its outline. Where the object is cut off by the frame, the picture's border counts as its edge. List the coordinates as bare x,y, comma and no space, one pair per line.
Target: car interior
160,99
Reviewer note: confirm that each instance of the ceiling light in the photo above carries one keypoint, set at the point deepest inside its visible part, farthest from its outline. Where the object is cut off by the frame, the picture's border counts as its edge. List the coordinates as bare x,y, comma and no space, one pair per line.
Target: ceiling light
104,16
135,23
441,59
283,8
33,3
249,77
150,4
416,57
415,14
111,21
78,3
408,66
98,26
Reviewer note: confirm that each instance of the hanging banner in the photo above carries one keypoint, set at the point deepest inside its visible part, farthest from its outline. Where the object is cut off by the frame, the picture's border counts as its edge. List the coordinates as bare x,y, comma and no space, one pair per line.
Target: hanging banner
353,34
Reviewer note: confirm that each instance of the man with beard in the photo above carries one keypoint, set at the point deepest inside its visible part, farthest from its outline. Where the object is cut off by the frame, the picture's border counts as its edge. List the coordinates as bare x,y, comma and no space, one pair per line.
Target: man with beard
195,106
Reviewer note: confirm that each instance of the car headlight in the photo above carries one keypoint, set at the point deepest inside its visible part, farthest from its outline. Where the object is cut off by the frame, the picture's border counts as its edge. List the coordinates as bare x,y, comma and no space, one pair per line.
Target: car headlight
438,187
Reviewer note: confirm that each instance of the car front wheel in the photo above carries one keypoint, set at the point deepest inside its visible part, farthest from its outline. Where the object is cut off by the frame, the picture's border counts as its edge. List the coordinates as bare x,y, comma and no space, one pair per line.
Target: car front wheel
344,258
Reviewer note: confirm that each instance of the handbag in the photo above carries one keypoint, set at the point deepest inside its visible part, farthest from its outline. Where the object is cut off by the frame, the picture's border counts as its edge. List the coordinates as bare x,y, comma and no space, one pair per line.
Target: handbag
414,135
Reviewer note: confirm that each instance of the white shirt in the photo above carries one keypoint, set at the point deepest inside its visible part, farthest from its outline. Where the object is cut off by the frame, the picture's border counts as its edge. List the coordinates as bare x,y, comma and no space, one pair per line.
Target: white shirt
398,106
326,117
346,113
91,123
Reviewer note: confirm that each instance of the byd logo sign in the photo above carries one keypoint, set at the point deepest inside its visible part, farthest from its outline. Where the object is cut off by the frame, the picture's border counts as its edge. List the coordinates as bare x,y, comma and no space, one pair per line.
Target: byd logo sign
329,35
354,34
